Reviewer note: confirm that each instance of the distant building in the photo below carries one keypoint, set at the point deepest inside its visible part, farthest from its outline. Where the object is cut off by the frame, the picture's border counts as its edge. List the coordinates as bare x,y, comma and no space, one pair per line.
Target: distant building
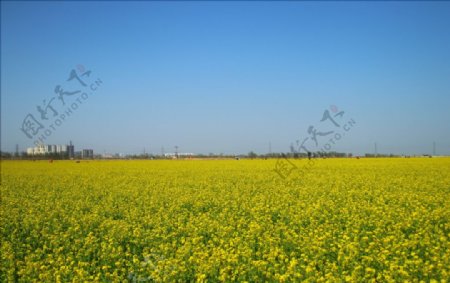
62,149
42,149
178,154
71,150
87,154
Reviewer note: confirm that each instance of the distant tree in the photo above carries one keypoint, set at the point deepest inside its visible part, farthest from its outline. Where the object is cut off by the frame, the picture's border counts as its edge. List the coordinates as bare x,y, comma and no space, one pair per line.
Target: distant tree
5,155
251,154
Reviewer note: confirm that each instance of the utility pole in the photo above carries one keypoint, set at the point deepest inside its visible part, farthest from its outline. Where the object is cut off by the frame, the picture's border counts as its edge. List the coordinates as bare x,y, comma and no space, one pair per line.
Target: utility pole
176,151
376,150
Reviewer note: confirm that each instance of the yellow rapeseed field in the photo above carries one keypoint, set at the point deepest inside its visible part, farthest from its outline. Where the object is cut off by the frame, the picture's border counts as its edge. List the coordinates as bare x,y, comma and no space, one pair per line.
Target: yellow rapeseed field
342,220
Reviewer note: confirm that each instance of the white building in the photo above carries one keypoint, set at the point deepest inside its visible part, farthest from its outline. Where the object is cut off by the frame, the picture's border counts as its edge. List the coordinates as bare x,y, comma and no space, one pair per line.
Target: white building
61,148
48,149
180,154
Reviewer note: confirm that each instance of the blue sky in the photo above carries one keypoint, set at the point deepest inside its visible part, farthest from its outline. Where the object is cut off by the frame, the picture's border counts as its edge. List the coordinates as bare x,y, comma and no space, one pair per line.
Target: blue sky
230,77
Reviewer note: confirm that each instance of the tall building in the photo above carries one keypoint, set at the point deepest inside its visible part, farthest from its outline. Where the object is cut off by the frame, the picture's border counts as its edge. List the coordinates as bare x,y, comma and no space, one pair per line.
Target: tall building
71,150
61,149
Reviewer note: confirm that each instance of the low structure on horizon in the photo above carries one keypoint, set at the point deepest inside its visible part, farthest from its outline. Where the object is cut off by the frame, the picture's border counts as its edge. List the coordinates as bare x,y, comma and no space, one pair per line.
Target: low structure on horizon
178,154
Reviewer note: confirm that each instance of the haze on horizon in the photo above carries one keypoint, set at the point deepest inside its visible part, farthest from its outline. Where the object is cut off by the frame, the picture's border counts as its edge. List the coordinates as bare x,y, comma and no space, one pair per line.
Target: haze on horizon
230,77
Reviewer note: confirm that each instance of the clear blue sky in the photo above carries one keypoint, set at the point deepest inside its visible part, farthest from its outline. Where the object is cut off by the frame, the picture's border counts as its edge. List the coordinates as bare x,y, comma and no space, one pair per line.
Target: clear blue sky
230,77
